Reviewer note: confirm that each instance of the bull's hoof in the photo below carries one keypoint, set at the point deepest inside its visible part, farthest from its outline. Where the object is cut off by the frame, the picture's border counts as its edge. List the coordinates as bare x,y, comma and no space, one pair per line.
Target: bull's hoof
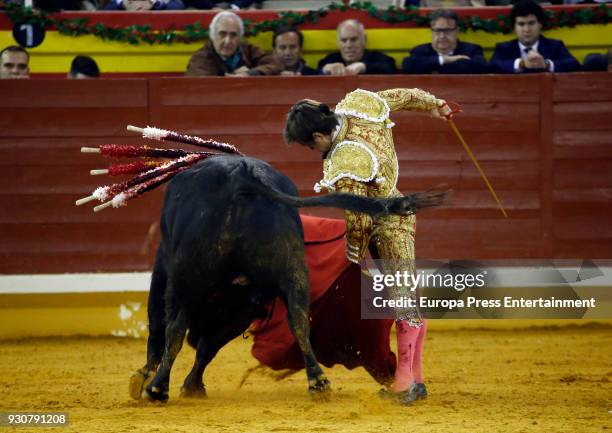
138,381
199,392
155,394
320,390
404,398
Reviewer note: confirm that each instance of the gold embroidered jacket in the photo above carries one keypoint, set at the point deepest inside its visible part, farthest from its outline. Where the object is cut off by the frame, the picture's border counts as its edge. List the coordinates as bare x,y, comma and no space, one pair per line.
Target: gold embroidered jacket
362,159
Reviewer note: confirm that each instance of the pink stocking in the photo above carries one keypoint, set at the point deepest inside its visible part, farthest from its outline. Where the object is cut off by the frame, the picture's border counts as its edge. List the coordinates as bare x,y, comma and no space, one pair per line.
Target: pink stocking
417,367
406,348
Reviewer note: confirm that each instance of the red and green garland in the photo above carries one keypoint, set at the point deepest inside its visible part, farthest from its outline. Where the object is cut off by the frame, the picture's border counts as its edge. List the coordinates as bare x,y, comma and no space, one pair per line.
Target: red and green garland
136,34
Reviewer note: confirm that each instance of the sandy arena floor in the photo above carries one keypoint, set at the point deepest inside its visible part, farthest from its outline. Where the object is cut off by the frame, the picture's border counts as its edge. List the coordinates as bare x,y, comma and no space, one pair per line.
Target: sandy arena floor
531,380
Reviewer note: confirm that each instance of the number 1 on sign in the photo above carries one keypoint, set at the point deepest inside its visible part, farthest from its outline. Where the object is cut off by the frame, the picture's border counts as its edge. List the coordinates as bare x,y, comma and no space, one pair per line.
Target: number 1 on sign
29,33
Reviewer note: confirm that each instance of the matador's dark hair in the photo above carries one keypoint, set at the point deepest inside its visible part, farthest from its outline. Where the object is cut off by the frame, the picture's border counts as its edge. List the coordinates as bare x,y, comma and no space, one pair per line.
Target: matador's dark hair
307,117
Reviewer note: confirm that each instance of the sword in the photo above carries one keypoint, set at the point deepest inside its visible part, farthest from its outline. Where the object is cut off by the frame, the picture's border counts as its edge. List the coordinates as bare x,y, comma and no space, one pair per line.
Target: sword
451,122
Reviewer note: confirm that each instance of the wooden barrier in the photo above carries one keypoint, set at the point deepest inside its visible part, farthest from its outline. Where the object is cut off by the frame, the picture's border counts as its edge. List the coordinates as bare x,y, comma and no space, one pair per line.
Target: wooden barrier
543,140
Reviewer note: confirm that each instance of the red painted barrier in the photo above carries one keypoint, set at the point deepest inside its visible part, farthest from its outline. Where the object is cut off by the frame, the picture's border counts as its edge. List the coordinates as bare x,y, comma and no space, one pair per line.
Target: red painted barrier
543,140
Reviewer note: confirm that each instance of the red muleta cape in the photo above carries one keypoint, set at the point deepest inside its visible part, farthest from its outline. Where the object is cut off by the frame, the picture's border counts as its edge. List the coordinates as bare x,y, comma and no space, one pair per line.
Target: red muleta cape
338,334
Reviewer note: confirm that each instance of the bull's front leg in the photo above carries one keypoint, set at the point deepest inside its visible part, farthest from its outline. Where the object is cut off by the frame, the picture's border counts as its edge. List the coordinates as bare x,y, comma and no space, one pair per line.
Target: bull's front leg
194,383
157,327
176,328
297,316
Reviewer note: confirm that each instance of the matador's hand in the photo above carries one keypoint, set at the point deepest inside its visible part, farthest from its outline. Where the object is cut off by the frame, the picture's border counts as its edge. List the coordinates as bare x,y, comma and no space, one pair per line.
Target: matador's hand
442,111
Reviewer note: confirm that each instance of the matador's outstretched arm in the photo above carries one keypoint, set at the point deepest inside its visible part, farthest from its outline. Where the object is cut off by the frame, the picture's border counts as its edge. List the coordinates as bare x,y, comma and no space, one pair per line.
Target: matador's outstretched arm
411,100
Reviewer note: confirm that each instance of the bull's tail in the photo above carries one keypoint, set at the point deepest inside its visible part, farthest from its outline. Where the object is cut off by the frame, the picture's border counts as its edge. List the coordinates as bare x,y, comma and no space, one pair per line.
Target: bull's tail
378,207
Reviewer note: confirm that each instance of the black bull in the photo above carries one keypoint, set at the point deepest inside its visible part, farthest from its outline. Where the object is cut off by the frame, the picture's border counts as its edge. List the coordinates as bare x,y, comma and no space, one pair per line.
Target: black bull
232,241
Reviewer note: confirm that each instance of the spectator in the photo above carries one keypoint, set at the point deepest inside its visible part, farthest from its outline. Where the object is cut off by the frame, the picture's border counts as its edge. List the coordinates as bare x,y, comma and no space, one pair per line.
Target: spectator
65,5
226,54
245,4
438,3
353,58
14,63
217,4
598,62
144,5
594,62
83,67
451,3
531,52
446,54
287,43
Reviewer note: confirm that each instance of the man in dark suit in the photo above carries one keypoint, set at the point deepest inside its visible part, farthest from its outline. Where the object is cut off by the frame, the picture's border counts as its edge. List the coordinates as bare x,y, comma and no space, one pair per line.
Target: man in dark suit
446,54
287,44
531,52
353,58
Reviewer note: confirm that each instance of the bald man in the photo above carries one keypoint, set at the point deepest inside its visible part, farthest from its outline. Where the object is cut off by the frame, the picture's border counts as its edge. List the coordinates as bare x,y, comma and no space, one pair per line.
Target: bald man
14,63
353,58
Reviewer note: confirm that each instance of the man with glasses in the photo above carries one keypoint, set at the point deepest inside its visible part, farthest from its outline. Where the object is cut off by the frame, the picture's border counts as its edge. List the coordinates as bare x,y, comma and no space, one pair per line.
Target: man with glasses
446,54
14,63
531,52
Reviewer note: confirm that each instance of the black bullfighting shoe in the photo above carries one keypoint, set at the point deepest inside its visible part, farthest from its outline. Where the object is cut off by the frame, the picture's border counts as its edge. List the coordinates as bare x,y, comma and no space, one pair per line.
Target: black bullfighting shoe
421,390
403,398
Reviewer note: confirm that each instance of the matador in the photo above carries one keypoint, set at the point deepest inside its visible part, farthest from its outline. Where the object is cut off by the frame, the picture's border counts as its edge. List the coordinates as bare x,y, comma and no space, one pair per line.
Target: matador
360,158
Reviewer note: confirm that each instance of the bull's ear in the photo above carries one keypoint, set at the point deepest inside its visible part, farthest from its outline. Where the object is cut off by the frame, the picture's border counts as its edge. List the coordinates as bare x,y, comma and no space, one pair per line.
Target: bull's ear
407,206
